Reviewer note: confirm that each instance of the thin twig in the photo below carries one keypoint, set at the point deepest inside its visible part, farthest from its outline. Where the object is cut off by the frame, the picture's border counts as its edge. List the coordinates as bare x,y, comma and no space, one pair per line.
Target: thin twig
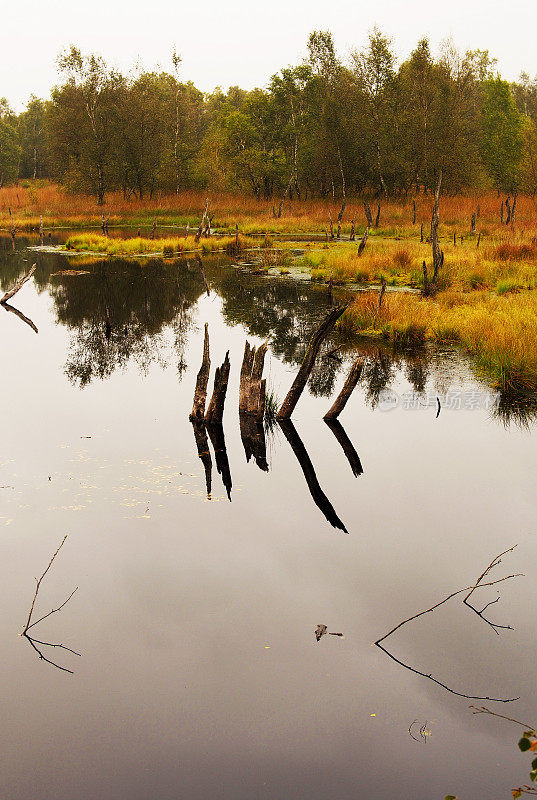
469,590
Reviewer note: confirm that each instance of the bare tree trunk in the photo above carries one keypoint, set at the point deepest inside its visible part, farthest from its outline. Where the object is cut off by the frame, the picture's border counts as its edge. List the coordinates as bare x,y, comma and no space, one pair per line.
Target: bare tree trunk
414,212
200,392
363,243
215,410
472,226
368,215
201,228
348,387
377,219
20,283
293,395
353,231
438,256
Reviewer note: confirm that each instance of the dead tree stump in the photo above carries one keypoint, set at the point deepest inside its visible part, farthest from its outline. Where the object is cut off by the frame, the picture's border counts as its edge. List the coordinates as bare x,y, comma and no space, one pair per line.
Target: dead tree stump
200,392
363,243
294,393
348,387
215,409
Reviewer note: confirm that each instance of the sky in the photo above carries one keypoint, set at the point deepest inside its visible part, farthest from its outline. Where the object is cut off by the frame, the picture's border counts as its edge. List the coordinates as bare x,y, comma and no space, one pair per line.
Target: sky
243,43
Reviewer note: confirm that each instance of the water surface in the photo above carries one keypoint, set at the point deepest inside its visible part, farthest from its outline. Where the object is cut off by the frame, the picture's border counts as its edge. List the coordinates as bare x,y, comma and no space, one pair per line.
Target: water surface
200,675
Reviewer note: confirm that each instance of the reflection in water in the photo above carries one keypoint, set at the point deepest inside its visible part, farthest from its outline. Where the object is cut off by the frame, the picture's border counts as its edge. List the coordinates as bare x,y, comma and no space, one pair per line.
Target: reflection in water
38,644
346,445
253,440
469,590
202,446
319,497
20,315
216,435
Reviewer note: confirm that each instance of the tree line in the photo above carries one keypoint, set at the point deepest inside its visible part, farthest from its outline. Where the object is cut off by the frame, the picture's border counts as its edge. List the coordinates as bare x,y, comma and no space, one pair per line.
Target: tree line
321,128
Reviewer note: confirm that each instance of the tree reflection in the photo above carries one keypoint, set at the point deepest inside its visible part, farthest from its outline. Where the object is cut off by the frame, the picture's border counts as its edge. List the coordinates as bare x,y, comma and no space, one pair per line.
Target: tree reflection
119,311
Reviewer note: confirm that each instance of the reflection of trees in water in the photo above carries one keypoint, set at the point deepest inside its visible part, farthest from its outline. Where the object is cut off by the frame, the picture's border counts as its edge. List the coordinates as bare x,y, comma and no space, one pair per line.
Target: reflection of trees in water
119,310
145,299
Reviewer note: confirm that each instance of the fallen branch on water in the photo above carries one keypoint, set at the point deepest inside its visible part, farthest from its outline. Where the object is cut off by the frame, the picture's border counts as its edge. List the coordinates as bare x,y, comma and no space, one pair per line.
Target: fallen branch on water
20,283
469,589
30,624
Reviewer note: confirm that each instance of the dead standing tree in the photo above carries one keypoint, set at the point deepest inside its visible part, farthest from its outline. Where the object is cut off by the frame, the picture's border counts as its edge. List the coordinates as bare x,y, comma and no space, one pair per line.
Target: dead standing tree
252,389
430,285
200,392
215,409
363,242
203,222
294,393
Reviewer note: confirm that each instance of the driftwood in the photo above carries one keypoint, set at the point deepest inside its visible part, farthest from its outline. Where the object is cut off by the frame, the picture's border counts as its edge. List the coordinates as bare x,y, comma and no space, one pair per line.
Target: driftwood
368,215
346,445
348,387
363,242
202,446
20,283
216,435
200,392
293,395
252,389
215,409
319,497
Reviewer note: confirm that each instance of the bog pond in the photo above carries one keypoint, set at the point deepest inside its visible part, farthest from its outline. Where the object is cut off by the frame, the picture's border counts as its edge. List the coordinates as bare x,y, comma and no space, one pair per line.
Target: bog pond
194,668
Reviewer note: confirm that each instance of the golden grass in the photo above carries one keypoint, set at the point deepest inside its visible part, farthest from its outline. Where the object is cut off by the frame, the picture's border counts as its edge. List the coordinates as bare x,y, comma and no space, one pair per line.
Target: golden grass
60,207
168,246
500,331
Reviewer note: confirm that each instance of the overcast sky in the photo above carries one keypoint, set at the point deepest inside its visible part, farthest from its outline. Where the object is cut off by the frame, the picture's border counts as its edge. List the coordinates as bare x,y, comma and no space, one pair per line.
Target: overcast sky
242,42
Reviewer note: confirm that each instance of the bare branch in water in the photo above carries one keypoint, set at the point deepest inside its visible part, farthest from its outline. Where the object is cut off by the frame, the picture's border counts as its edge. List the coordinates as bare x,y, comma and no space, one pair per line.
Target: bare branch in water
29,624
8,295
469,589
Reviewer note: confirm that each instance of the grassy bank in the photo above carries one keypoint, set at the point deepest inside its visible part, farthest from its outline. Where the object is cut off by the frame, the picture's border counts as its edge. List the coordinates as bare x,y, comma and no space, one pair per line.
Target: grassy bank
500,331
61,208
168,247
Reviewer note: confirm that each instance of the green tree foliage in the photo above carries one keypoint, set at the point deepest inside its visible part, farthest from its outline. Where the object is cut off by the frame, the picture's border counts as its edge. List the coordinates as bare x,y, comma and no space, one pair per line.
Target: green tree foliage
10,151
502,140
321,128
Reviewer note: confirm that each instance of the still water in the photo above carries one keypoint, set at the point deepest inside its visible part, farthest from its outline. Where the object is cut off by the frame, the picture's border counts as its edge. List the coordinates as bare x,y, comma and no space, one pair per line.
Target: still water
199,673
